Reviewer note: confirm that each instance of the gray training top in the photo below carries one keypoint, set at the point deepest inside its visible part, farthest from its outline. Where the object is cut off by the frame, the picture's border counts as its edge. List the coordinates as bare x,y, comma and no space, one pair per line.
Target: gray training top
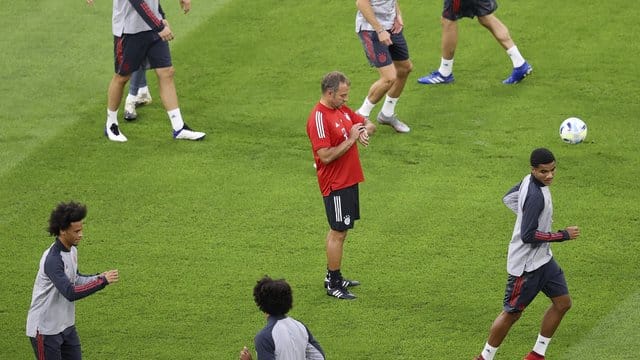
135,16
57,285
385,11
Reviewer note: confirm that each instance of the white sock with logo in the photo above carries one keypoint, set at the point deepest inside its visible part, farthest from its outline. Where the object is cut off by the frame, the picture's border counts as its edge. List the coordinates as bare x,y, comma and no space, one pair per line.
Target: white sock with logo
176,119
112,117
446,67
516,57
365,109
541,344
489,352
389,106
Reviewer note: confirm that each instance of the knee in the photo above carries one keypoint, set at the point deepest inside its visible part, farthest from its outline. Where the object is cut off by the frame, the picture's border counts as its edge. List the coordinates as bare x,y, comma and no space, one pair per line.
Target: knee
166,73
403,69
388,80
563,305
121,79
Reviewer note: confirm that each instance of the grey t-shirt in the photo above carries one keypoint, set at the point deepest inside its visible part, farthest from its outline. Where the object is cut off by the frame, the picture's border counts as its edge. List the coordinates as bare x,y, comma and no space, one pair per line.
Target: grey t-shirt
385,11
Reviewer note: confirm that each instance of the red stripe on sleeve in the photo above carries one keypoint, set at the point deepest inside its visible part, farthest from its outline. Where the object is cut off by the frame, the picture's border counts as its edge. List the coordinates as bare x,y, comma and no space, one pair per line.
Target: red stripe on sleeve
544,236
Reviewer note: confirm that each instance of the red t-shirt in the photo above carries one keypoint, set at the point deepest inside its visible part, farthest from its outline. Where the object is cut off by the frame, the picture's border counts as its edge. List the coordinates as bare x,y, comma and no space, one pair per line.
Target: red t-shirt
327,128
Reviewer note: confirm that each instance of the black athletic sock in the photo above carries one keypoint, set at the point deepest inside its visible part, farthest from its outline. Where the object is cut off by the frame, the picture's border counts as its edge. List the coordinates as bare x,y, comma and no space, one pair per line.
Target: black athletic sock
335,278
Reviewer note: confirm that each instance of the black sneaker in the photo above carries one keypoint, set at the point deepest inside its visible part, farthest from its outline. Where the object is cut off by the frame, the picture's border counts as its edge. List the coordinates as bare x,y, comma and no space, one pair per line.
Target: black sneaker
341,293
345,283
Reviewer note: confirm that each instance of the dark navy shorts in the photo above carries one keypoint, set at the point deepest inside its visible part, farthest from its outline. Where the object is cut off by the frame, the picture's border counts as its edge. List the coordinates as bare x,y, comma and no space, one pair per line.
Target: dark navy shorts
456,9
521,290
343,208
146,49
65,345
379,54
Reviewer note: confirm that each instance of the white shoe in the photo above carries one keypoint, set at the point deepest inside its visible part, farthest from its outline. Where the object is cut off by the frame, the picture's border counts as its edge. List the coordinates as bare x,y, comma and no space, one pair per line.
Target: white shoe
114,134
394,122
187,134
143,99
130,109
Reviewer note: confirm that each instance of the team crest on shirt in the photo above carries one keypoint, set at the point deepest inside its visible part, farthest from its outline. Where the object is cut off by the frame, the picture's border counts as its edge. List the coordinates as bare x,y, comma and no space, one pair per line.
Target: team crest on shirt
347,116
347,220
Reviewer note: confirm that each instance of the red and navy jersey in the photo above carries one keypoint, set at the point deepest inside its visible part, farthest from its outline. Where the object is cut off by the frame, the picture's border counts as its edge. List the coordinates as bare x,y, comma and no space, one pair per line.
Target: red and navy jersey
326,128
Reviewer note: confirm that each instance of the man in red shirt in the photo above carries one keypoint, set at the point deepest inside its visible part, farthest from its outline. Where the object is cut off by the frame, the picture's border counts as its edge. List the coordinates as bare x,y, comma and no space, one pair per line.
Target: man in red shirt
333,129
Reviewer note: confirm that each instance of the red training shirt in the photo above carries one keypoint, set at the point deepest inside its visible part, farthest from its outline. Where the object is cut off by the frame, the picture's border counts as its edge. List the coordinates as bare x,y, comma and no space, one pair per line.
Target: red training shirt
327,128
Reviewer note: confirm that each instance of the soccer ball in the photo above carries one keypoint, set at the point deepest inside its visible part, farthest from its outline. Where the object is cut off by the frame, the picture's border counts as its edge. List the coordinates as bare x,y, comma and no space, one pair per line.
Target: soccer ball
573,130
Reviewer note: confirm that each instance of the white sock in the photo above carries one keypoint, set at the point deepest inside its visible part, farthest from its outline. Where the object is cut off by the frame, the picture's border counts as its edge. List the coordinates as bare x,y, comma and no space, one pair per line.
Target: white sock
143,90
515,56
446,67
112,117
365,109
389,106
489,352
541,344
130,98
176,119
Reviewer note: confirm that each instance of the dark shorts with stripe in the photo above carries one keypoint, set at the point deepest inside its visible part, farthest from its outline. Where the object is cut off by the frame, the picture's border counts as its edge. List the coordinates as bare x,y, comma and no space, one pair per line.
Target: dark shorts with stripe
146,49
521,290
65,345
379,54
456,9
343,208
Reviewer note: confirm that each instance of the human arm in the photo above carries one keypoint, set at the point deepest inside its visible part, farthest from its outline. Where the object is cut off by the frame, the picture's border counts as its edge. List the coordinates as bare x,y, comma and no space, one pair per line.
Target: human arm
364,6
314,350
54,269
532,208
510,199
156,24
398,23
329,154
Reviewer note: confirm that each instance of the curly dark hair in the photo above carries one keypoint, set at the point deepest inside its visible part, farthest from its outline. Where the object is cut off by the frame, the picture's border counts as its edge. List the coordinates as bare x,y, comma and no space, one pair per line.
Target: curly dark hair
273,297
64,214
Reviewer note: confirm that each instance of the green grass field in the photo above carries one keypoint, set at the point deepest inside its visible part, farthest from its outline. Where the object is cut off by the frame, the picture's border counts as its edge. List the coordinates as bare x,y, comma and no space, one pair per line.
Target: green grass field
192,226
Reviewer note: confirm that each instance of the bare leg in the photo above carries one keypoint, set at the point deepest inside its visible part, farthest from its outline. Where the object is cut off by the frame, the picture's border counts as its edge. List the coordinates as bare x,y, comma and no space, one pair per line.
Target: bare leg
167,88
335,244
497,29
403,69
501,326
116,89
379,88
449,38
554,314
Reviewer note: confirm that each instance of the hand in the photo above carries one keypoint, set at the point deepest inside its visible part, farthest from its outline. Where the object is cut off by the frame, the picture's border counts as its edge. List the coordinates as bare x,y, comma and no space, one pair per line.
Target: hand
185,5
364,137
398,25
356,131
385,37
90,2
245,354
111,276
573,231
166,34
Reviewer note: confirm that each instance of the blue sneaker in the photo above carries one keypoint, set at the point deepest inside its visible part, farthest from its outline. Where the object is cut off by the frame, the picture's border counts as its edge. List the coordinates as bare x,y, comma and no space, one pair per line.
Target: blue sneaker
436,78
518,74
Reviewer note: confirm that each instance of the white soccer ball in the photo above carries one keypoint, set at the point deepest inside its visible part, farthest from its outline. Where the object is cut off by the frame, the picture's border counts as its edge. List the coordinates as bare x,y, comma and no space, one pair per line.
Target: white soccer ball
573,130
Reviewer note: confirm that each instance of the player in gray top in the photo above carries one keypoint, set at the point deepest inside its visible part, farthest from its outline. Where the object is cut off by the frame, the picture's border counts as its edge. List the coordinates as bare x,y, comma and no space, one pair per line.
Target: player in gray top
530,263
379,26
51,319
141,35
283,338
